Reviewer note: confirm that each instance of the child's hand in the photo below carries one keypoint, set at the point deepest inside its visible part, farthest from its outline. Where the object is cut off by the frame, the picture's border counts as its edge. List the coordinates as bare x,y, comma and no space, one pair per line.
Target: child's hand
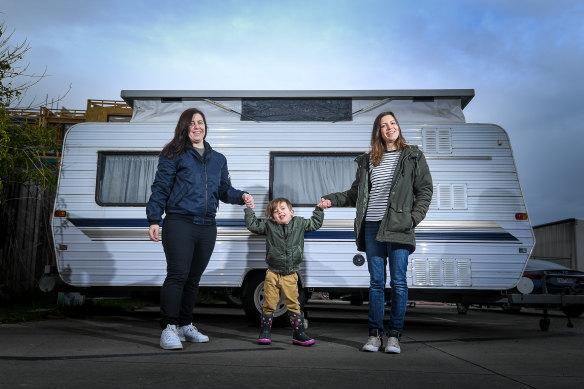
248,200
324,204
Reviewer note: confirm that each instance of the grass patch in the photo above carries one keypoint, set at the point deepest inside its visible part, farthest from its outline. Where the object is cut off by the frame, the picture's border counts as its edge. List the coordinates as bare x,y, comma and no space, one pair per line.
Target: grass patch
43,306
33,306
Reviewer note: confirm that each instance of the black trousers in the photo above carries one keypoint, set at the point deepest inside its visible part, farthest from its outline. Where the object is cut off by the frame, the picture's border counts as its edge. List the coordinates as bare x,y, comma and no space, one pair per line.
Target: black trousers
188,248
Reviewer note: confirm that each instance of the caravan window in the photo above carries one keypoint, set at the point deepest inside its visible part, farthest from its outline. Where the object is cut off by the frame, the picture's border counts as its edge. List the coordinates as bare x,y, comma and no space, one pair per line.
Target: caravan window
304,177
125,178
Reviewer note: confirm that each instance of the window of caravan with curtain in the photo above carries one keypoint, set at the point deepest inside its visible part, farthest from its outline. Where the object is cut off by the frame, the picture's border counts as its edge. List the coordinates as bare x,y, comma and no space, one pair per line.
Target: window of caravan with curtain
304,178
124,179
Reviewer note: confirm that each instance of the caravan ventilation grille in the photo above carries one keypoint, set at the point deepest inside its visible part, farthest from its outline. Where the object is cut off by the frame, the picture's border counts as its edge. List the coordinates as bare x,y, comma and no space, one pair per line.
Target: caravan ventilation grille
446,272
449,196
437,141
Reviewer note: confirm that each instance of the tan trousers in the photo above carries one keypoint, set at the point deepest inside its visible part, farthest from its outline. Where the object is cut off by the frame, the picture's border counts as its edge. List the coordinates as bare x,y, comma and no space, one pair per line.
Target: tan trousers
288,285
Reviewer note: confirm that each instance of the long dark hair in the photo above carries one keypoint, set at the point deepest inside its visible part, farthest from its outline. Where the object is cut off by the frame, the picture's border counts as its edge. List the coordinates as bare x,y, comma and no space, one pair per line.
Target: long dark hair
378,145
181,140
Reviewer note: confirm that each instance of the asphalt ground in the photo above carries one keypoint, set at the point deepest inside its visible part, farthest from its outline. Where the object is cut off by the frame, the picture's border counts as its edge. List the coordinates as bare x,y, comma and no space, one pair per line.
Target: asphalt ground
485,348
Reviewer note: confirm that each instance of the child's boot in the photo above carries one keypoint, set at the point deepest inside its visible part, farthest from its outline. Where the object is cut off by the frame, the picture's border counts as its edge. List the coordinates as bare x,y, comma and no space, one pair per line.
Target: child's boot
266,330
298,335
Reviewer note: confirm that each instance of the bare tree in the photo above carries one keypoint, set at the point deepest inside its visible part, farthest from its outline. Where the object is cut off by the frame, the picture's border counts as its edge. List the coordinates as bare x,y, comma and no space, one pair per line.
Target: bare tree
15,78
27,177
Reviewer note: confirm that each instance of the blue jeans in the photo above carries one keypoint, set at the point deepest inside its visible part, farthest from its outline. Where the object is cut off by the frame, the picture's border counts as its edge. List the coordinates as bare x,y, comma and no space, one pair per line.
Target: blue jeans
397,255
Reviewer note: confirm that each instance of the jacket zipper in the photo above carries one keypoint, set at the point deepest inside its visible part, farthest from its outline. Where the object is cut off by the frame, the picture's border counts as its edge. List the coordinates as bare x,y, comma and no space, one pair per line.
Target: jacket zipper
285,231
399,169
206,187
396,176
204,162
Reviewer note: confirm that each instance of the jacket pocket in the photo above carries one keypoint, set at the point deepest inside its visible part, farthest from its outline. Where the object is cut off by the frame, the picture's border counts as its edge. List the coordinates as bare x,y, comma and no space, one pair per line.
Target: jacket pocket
359,232
297,254
399,219
177,195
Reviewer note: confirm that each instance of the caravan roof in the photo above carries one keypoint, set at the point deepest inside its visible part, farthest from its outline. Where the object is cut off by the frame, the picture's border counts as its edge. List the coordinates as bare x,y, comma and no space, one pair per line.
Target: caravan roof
421,105
465,95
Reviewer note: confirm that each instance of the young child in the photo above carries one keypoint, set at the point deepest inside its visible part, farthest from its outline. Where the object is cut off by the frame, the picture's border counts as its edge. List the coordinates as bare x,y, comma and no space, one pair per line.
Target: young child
284,248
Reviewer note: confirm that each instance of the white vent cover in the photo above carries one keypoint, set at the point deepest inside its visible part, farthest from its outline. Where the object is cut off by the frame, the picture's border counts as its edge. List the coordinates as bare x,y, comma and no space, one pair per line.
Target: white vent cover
446,272
449,196
437,140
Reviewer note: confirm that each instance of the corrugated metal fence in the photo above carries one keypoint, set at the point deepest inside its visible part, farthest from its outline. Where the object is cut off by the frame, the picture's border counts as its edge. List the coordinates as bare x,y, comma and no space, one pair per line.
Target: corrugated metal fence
25,236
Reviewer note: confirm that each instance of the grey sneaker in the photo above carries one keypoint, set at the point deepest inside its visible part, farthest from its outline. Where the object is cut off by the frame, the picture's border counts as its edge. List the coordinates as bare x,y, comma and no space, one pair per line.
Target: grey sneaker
392,345
169,340
373,344
191,334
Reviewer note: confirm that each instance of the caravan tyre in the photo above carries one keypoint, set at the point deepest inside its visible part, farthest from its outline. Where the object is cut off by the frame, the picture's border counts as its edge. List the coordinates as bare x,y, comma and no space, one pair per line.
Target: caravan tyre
252,298
232,297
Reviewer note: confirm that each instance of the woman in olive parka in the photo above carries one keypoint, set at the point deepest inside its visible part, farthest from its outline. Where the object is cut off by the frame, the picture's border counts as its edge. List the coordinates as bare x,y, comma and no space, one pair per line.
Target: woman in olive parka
391,192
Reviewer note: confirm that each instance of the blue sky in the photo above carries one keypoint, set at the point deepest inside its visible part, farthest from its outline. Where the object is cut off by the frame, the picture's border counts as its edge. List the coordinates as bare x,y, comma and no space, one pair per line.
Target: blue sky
523,58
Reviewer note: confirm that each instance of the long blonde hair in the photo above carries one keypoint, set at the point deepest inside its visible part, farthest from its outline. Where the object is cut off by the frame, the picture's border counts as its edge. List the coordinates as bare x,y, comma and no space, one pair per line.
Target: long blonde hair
378,145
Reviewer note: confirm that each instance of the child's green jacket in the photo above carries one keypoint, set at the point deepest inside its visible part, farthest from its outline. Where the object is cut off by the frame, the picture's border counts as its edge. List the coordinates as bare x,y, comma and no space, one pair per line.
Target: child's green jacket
284,247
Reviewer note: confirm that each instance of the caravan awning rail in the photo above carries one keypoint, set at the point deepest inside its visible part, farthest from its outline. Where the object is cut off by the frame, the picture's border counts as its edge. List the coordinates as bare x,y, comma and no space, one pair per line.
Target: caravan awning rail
465,95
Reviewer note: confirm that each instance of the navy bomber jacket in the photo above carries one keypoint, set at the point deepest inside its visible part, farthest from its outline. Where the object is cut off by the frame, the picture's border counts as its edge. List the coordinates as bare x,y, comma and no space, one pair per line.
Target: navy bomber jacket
189,184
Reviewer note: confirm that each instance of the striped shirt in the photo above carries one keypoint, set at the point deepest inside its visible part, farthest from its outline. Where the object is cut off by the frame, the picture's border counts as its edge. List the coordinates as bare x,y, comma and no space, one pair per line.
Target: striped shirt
381,178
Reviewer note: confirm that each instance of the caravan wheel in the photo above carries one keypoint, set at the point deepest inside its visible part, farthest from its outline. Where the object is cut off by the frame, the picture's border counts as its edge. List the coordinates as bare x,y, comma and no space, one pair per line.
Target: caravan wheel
252,297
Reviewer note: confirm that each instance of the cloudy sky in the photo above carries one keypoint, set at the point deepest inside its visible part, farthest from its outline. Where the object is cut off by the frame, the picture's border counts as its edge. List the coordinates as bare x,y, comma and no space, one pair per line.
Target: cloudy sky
523,58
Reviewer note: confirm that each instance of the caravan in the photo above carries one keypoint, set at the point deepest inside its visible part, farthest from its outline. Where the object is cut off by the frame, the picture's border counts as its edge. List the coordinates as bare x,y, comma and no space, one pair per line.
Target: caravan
473,244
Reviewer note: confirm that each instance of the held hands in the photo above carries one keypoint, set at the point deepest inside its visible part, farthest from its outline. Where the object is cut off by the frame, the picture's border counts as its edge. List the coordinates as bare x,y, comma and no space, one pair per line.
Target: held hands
153,232
324,203
248,200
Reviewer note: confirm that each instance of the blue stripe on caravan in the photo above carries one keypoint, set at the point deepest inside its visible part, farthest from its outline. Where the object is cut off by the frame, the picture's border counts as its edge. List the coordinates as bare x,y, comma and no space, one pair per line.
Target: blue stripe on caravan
109,222
424,236
140,222
329,235
498,236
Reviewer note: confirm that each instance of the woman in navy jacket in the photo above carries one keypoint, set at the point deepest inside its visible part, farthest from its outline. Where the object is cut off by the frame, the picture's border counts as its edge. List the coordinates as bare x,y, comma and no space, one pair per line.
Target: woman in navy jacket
190,181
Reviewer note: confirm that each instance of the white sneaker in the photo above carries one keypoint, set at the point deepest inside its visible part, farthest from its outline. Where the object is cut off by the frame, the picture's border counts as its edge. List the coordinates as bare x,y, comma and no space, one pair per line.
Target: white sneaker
373,344
392,345
191,334
169,340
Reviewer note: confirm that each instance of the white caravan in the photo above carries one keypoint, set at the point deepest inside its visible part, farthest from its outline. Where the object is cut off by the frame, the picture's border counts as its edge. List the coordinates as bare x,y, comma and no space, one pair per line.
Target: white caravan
472,246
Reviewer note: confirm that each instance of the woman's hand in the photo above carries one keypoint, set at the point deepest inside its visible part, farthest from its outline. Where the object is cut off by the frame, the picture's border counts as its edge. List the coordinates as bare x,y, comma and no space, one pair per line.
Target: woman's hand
153,232
248,200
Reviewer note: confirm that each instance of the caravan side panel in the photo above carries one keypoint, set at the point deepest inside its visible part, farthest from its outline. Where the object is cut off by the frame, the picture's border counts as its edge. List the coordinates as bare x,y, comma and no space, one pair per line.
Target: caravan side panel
469,240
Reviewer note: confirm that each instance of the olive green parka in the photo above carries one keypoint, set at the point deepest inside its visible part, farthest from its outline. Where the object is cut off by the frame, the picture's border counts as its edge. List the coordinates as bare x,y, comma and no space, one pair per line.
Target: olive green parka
409,199
284,249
